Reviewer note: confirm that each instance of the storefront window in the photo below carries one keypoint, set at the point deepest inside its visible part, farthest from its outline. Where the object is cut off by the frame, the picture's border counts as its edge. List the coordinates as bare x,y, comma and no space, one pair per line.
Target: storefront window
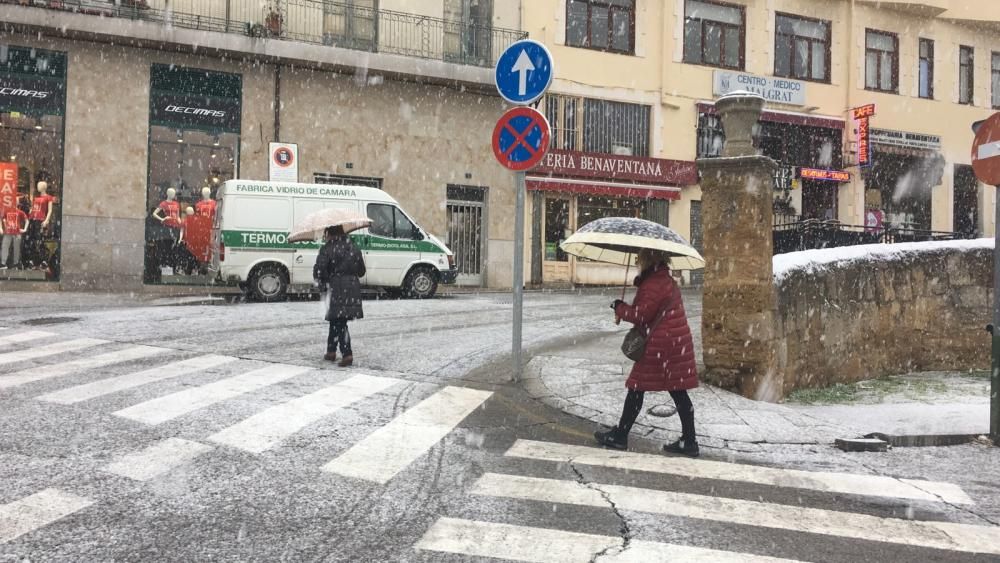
32,106
592,208
557,229
902,185
194,138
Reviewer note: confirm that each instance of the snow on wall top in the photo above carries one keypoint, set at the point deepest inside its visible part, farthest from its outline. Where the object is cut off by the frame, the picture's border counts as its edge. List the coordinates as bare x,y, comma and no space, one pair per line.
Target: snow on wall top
811,261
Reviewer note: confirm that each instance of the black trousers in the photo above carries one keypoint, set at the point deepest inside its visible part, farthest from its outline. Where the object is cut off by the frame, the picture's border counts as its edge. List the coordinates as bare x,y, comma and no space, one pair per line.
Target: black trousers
33,252
685,410
339,334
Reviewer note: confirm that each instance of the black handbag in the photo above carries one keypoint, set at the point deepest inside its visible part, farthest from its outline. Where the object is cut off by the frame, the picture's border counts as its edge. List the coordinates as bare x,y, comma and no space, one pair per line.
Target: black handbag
634,345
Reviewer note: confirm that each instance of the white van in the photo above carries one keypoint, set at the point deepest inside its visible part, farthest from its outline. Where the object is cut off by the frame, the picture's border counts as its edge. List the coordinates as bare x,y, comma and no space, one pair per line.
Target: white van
253,220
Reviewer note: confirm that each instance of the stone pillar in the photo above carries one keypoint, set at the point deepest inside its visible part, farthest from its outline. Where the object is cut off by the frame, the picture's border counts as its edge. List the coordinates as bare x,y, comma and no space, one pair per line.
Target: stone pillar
739,313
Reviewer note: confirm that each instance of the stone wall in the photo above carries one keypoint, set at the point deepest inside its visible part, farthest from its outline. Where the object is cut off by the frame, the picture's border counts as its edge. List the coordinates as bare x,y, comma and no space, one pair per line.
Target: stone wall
880,310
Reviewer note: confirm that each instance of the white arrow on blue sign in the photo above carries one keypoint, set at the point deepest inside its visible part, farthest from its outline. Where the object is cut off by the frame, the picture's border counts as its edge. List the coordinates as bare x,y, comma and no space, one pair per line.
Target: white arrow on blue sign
524,72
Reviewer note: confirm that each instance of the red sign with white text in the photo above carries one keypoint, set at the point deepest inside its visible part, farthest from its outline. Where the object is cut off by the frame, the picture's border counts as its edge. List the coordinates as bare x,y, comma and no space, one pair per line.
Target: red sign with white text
8,185
864,111
618,167
864,143
825,175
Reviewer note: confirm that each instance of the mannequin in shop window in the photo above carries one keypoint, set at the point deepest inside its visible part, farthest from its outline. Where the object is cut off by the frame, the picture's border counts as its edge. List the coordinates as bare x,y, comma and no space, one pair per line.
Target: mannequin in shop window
206,206
14,224
38,222
184,261
167,214
169,210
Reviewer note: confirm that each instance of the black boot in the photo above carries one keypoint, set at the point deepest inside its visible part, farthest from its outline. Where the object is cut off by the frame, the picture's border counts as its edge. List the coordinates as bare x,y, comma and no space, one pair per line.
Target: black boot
683,447
612,438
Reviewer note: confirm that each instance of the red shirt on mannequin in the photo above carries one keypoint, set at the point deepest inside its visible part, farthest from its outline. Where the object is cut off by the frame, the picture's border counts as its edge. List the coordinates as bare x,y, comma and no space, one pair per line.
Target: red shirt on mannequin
172,209
13,220
205,208
40,205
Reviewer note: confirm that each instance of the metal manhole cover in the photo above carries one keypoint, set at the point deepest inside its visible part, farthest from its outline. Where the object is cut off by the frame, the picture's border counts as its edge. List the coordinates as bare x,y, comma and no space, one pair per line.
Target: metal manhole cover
50,321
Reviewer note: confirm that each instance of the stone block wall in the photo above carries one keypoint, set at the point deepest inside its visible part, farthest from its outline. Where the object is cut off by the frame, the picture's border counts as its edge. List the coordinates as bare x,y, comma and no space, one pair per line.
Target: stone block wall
920,309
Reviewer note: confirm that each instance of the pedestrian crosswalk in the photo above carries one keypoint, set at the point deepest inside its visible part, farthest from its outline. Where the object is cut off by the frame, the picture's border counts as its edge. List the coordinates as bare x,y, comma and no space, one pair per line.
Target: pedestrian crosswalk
137,386
543,545
520,543
389,450
35,511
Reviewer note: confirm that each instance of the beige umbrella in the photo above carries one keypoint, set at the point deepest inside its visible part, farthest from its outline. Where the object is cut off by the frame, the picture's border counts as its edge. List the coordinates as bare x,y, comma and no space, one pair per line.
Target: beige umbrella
312,226
617,240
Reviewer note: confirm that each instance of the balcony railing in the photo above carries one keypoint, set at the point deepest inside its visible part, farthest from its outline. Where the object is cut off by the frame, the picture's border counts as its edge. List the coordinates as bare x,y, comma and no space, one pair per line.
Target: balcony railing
321,22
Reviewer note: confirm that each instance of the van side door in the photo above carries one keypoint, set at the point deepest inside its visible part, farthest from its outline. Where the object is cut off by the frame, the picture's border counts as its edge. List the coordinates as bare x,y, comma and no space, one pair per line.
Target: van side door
392,245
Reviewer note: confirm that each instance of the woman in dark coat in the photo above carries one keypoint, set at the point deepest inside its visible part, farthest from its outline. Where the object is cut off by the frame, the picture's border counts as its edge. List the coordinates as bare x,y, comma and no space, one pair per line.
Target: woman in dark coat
339,269
668,363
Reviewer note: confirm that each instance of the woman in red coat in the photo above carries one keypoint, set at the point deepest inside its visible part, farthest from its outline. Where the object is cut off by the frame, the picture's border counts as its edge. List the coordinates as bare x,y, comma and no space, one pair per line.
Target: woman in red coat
668,363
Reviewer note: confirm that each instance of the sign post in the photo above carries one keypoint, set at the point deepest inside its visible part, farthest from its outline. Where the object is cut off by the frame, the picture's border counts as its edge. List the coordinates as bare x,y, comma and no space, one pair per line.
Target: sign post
986,164
523,73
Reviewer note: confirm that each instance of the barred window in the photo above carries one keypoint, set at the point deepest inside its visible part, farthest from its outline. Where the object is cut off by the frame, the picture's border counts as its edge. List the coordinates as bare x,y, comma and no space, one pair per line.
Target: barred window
607,127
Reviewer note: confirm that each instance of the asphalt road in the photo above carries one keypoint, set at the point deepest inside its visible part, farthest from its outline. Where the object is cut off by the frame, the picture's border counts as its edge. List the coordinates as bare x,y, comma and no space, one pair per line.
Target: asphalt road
197,433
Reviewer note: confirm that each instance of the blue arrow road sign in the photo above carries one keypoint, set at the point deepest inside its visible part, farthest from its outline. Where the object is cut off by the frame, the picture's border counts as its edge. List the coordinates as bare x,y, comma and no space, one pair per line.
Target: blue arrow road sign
524,72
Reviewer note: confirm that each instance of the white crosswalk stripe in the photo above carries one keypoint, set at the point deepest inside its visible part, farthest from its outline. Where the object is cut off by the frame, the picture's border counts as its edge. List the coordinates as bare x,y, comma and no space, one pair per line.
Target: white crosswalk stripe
543,545
27,336
39,373
169,407
36,511
868,485
157,459
111,385
938,535
393,447
49,350
265,429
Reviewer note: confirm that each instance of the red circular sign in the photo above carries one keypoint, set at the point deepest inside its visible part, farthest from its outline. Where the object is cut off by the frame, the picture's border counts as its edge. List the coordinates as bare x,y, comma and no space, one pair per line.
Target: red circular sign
521,138
283,157
986,151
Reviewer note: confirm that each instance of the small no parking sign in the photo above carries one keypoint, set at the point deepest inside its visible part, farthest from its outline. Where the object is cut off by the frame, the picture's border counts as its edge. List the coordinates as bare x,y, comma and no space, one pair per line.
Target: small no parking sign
284,162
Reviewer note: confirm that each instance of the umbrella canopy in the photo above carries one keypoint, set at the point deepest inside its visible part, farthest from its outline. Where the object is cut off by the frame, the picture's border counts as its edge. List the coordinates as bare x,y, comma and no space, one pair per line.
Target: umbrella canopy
617,240
312,226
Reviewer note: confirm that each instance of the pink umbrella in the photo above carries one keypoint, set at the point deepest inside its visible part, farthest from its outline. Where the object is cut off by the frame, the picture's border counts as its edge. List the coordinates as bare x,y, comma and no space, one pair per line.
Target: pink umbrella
311,228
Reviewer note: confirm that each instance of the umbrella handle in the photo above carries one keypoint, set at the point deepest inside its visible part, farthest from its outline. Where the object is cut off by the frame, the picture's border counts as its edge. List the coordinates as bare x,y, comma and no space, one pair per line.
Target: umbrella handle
628,266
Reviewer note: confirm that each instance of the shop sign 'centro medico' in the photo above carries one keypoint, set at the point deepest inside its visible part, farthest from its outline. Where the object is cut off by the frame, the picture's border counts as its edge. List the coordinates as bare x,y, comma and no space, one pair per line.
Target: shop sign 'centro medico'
777,90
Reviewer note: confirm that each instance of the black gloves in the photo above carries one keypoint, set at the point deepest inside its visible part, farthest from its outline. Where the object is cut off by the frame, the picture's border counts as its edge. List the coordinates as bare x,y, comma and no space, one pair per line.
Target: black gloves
616,302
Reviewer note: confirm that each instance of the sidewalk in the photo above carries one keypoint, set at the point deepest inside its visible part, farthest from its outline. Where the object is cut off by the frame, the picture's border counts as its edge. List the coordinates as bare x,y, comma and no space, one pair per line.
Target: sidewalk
588,381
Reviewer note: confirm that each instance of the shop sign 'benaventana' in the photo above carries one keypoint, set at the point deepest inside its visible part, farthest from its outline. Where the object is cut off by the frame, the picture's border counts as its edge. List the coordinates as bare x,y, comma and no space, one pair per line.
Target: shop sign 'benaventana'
777,90
618,167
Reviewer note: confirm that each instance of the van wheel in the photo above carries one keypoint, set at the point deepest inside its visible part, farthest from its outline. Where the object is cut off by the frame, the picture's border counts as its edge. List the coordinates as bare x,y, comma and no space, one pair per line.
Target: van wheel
421,283
269,283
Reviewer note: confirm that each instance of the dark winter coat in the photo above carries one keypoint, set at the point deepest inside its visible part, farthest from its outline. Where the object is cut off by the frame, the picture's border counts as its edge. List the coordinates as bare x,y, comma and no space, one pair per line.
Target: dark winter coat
339,268
668,363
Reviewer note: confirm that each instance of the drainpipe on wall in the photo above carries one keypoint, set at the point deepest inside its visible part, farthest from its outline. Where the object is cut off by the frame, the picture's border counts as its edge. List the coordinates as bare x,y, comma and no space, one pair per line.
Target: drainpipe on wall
277,103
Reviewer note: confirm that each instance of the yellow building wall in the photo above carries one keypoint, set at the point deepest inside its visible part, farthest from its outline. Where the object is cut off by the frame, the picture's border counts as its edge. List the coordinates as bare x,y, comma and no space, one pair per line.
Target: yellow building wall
656,76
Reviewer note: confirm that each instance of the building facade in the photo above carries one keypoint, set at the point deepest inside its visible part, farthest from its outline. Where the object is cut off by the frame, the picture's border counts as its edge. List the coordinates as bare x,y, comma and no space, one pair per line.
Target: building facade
636,79
118,114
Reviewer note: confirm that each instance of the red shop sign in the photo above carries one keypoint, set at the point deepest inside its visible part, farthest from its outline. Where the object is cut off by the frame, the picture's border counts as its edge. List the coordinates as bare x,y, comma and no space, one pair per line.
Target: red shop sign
864,143
825,175
618,167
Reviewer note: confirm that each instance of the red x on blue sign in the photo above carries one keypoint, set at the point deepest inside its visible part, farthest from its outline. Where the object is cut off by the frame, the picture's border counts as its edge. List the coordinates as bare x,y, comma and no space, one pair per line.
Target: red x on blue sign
521,138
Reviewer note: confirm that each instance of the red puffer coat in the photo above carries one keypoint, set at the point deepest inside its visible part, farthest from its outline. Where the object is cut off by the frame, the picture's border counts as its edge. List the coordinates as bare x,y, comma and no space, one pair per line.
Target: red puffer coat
668,364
